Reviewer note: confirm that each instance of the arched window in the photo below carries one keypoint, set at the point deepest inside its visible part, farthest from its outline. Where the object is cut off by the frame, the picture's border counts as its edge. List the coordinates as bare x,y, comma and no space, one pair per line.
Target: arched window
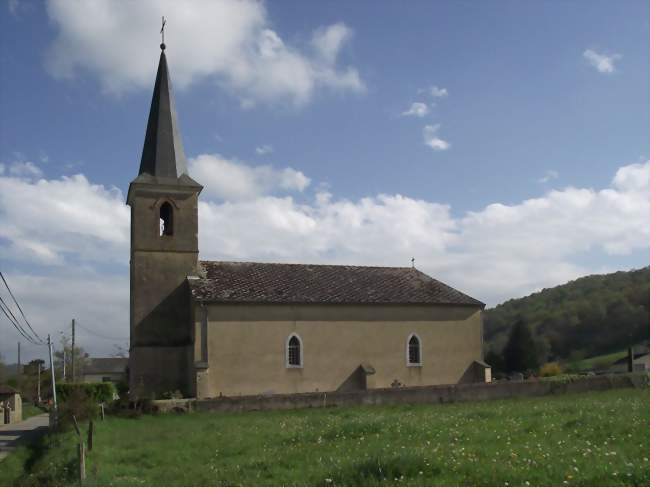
166,219
294,351
413,350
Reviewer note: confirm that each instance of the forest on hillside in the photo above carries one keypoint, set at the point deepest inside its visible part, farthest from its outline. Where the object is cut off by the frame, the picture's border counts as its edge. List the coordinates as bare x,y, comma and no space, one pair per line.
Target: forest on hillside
590,316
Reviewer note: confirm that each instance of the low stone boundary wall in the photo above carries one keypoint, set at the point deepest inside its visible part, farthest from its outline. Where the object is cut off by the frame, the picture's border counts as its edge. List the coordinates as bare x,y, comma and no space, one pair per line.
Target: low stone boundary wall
409,395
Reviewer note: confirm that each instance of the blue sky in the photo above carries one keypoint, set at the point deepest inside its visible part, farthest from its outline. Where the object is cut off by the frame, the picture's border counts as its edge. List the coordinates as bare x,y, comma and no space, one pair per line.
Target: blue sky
301,107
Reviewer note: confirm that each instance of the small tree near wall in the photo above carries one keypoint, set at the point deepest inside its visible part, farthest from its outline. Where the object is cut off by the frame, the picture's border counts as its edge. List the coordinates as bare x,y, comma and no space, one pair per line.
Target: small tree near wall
520,353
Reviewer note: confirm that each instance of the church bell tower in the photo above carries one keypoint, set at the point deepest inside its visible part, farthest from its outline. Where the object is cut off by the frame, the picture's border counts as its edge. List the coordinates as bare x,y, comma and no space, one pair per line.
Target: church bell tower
164,251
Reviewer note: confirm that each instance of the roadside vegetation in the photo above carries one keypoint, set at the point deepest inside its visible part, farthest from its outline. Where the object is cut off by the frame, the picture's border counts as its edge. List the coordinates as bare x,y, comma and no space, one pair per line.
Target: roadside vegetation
595,438
30,410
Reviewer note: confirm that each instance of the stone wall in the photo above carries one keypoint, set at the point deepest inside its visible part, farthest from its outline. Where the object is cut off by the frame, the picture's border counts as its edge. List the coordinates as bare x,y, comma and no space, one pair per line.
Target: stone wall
409,395
11,409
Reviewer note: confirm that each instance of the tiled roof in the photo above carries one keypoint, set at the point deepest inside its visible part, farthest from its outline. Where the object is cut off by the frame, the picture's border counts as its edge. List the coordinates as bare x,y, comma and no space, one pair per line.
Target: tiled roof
6,389
252,282
110,365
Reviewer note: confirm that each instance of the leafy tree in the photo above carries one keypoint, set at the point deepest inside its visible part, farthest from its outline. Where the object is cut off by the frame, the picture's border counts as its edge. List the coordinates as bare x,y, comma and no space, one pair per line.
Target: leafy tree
520,353
32,367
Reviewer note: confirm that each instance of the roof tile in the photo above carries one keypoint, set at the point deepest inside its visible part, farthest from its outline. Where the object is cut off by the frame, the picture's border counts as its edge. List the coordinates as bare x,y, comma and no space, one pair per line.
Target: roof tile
253,282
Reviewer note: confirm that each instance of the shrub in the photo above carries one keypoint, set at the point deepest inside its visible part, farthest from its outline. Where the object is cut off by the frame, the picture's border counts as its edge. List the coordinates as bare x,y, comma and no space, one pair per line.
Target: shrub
122,389
98,392
172,395
550,369
78,403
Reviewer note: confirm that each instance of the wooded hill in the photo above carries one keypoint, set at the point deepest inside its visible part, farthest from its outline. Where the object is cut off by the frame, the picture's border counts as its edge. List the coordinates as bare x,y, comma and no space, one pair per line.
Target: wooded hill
590,316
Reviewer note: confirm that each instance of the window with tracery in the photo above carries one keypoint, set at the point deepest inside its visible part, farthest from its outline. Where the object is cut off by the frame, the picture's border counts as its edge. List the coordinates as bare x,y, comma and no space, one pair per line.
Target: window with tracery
414,352
294,352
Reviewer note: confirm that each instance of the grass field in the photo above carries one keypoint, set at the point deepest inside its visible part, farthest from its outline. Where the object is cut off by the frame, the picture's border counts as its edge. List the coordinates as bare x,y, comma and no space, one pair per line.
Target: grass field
601,360
591,439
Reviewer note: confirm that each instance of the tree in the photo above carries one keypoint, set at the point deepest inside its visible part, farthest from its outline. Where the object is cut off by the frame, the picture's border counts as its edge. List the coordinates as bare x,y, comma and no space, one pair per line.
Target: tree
520,353
495,360
32,367
80,359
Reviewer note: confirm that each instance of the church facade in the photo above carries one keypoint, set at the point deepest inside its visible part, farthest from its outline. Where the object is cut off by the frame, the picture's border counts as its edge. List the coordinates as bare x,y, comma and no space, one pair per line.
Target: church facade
209,328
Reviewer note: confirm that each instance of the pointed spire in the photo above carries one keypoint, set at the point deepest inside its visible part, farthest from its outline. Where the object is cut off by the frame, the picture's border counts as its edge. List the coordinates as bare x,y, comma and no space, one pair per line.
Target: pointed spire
163,155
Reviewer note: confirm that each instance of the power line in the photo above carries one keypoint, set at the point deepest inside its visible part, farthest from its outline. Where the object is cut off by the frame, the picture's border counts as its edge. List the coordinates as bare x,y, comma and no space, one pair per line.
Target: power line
19,308
121,339
12,319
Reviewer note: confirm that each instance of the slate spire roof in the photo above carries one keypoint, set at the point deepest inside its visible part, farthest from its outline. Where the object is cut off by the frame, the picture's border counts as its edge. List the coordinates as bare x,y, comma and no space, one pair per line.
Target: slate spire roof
255,282
163,158
163,153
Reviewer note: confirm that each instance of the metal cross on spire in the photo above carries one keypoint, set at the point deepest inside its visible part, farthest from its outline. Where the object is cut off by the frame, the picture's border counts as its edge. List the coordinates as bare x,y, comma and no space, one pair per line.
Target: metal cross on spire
162,33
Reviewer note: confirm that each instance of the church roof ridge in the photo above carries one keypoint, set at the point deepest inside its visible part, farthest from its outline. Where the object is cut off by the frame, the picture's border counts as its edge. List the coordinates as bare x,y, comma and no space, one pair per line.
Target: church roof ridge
258,282
304,264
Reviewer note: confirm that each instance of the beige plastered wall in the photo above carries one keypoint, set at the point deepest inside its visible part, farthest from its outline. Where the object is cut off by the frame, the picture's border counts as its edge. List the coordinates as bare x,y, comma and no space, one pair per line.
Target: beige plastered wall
241,349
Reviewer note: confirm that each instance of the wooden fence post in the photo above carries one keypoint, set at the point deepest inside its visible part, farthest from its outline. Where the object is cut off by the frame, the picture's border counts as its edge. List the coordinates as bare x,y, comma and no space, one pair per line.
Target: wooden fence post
82,453
90,435
82,463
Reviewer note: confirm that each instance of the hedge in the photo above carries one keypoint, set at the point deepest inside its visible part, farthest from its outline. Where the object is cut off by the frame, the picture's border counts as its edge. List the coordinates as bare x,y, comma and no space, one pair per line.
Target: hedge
98,391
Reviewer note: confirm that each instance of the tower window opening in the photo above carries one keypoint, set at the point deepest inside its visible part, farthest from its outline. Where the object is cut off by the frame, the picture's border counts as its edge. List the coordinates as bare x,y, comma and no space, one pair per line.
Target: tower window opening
166,219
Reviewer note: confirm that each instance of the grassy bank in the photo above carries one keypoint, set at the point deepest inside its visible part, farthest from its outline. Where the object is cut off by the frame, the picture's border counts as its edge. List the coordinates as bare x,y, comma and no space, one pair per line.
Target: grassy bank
587,439
601,361
30,410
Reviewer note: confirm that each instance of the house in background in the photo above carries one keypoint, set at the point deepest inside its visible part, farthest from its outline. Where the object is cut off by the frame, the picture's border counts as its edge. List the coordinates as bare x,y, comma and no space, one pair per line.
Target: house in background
641,363
112,369
11,405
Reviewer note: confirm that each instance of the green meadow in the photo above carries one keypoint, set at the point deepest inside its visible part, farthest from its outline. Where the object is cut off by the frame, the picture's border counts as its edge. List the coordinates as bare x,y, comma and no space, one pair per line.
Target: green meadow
591,439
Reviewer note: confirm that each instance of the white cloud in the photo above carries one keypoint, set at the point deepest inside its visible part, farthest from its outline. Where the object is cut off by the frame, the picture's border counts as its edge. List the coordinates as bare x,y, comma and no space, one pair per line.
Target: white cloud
328,41
633,178
549,176
227,40
602,62
25,169
233,180
494,253
264,150
497,252
437,92
46,220
417,109
430,135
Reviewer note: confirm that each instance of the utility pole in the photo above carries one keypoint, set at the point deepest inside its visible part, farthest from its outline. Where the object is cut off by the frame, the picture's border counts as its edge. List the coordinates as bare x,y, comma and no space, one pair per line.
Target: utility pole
18,364
72,352
38,393
55,408
64,362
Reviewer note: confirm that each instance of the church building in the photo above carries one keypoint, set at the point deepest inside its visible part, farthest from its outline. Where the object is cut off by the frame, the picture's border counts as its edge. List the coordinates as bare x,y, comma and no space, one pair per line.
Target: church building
210,328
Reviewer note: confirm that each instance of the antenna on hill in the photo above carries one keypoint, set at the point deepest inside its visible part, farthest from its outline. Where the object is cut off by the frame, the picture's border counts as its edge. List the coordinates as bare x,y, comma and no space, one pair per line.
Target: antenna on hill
413,262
